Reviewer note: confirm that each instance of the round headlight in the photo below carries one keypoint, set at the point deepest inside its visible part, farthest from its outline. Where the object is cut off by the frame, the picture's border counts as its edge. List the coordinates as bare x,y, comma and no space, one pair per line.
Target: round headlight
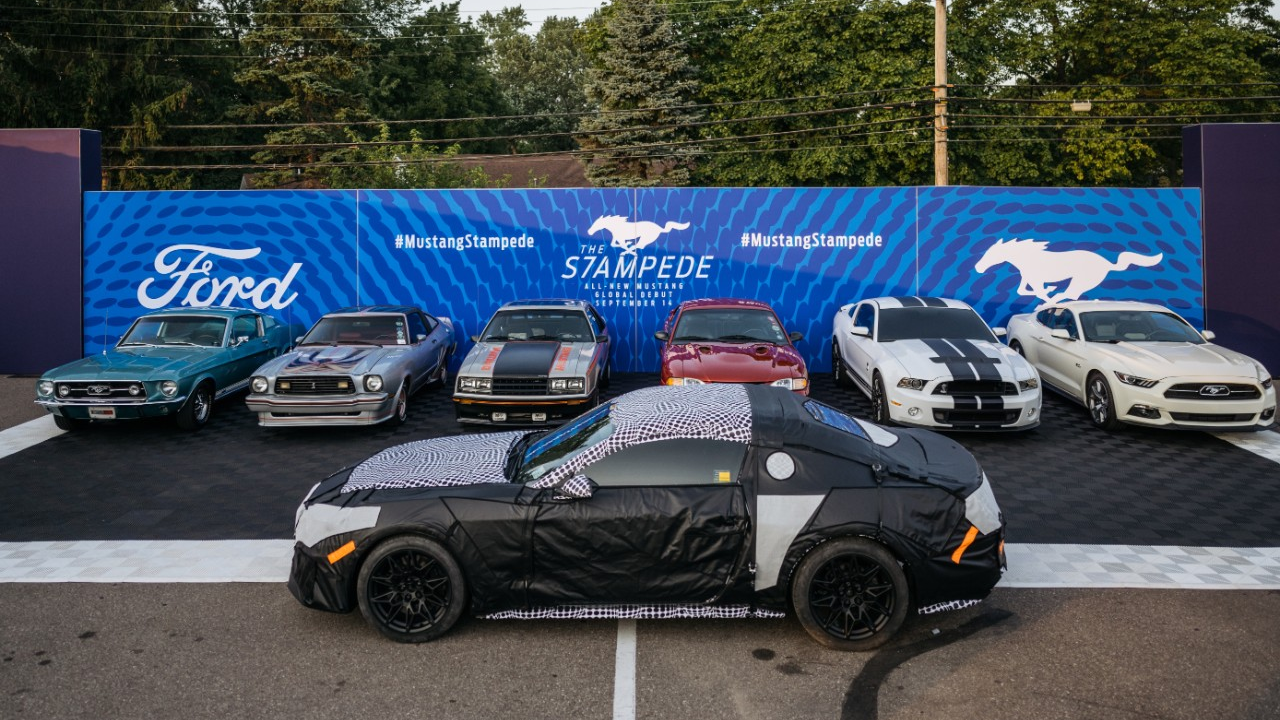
258,384
45,387
373,383
169,388
135,390
63,391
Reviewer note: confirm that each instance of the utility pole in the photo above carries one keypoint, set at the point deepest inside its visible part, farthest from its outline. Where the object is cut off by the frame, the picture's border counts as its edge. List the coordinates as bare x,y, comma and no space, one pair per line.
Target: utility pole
940,170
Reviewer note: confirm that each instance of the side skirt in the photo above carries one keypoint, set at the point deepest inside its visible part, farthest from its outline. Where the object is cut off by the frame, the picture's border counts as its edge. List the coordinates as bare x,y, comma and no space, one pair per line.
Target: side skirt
639,612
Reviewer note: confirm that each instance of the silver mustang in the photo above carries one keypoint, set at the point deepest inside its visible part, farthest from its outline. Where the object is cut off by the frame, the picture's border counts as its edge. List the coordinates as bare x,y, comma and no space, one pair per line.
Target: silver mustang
356,366
537,362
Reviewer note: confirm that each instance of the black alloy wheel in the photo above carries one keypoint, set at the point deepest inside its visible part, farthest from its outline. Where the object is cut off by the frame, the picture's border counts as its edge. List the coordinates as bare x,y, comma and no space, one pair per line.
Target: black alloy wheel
879,402
1017,347
843,378
411,589
851,594
1099,400
195,412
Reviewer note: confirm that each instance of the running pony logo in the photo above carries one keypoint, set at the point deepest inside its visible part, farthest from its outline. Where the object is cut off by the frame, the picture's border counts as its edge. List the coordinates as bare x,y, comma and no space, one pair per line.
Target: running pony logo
1040,268
631,235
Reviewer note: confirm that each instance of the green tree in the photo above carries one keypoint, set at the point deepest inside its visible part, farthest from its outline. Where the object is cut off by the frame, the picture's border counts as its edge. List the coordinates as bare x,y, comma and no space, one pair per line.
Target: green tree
642,78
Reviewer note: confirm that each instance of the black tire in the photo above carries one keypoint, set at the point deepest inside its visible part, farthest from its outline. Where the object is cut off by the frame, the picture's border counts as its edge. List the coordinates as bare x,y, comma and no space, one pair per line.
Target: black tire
197,410
68,424
606,375
851,594
400,411
1016,346
879,401
411,589
1100,402
843,378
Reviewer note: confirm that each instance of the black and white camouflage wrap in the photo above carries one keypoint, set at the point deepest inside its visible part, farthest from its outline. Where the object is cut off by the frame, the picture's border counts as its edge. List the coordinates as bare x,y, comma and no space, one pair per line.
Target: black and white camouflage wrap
702,412
948,606
637,612
439,462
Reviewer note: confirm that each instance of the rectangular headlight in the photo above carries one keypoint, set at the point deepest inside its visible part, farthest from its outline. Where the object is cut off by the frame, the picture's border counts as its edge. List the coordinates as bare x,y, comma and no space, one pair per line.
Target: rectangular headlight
475,384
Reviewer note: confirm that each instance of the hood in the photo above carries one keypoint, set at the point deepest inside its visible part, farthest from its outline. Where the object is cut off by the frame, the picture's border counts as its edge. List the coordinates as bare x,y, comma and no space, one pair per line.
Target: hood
135,363
330,360
529,358
733,362
438,462
1158,360
931,359
933,459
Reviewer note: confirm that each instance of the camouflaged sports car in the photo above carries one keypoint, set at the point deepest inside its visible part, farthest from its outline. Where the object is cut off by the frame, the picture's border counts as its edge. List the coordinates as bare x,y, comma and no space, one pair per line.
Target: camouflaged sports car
715,501
537,362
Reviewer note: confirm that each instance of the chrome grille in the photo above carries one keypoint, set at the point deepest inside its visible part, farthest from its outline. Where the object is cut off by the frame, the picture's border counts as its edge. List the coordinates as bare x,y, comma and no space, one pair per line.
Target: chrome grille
114,390
1212,391
317,385
519,386
975,387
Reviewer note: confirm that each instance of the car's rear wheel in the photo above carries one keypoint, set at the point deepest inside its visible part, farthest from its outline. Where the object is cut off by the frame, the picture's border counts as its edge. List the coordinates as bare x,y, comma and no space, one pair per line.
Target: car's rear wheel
68,424
411,589
1100,401
195,412
851,594
843,378
879,401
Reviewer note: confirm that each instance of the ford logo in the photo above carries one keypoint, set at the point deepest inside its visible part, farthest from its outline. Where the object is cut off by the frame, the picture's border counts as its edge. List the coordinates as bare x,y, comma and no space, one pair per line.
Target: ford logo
98,389
1215,390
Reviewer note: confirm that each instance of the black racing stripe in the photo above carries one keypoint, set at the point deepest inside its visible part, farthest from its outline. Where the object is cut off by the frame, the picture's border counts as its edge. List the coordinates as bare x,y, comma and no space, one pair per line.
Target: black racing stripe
911,302
957,366
983,365
526,358
966,402
933,302
992,402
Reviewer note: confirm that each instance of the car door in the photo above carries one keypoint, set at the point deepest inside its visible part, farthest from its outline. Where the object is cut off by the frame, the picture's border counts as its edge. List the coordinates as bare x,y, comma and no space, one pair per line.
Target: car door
1055,356
861,350
425,352
250,347
601,331
667,523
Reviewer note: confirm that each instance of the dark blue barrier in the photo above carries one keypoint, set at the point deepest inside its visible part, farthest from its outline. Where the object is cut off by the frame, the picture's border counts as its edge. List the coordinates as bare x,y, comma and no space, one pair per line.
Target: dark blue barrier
636,253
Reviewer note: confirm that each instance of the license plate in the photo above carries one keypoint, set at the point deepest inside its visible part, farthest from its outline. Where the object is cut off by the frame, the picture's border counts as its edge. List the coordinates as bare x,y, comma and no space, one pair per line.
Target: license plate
102,413
499,417
539,417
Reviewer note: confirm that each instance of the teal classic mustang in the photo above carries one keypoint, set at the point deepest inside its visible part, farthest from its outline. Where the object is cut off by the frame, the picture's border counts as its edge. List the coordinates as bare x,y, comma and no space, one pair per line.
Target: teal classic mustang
173,362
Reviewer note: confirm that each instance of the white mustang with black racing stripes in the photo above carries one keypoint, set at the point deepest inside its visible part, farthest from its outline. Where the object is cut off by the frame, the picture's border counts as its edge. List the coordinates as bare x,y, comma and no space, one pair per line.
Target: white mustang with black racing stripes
934,363
537,362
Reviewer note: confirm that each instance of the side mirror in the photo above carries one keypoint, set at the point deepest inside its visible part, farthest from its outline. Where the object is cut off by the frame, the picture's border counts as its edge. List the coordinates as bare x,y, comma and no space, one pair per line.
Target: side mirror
475,338
419,337
861,331
1208,335
240,340
602,338
297,340
662,335
1060,334
796,337
999,332
578,487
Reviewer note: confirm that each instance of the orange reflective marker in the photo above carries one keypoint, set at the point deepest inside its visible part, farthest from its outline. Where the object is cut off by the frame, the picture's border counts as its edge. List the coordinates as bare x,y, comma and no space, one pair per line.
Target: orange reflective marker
342,552
969,537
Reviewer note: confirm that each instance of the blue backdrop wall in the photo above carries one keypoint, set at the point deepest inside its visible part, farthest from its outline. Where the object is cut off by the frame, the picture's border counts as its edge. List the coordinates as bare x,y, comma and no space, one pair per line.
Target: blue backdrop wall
636,253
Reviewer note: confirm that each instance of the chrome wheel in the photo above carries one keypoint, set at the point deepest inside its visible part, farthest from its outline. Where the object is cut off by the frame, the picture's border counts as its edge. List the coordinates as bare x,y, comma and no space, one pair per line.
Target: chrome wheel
1101,405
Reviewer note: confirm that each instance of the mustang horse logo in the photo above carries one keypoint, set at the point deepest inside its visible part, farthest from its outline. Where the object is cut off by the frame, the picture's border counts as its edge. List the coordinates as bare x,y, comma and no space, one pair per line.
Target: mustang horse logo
631,235
1040,268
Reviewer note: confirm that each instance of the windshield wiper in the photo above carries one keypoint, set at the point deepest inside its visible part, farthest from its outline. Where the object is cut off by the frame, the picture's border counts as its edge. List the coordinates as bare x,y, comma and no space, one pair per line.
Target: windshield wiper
136,342
690,338
182,342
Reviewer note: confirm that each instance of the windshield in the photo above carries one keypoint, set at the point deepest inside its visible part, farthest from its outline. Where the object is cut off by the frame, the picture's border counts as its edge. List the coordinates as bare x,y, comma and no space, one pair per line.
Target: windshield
557,447
932,322
562,325
176,330
828,415
358,330
729,325
1113,326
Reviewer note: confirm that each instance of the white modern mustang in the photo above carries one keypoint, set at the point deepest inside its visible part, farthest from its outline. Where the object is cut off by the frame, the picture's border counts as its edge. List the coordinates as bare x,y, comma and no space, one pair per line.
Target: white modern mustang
1131,362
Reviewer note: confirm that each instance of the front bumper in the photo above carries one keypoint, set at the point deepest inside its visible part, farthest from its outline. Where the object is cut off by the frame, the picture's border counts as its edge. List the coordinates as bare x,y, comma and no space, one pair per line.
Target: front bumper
961,576
551,410
957,412
98,410
320,584
358,409
1150,407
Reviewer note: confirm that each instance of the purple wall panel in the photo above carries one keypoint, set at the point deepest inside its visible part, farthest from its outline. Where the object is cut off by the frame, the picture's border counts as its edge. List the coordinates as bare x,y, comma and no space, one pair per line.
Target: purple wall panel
42,176
1237,167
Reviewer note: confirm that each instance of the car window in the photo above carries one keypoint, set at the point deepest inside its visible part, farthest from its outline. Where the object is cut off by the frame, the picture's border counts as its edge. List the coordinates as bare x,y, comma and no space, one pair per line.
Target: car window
553,449
357,330
431,322
538,324
1067,321
600,326
729,325
932,322
176,330
245,326
865,316
670,462
1112,326
416,328
1045,318
268,322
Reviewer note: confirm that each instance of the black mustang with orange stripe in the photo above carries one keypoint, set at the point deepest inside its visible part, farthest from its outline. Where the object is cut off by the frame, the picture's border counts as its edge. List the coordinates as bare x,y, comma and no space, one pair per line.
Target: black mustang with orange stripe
537,362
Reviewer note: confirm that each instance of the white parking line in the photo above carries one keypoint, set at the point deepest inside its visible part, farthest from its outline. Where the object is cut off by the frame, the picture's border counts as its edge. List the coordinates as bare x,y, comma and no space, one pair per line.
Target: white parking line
32,432
624,672
1265,443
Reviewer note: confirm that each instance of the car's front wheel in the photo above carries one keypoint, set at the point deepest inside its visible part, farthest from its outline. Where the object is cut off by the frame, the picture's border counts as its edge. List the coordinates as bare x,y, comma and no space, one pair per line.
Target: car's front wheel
879,401
411,589
1101,403
843,378
1016,346
851,594
66,423
400,412
196,411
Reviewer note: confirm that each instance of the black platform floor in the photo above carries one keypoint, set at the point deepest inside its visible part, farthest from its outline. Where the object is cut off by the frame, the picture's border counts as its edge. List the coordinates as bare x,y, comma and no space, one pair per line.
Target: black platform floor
1065,482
